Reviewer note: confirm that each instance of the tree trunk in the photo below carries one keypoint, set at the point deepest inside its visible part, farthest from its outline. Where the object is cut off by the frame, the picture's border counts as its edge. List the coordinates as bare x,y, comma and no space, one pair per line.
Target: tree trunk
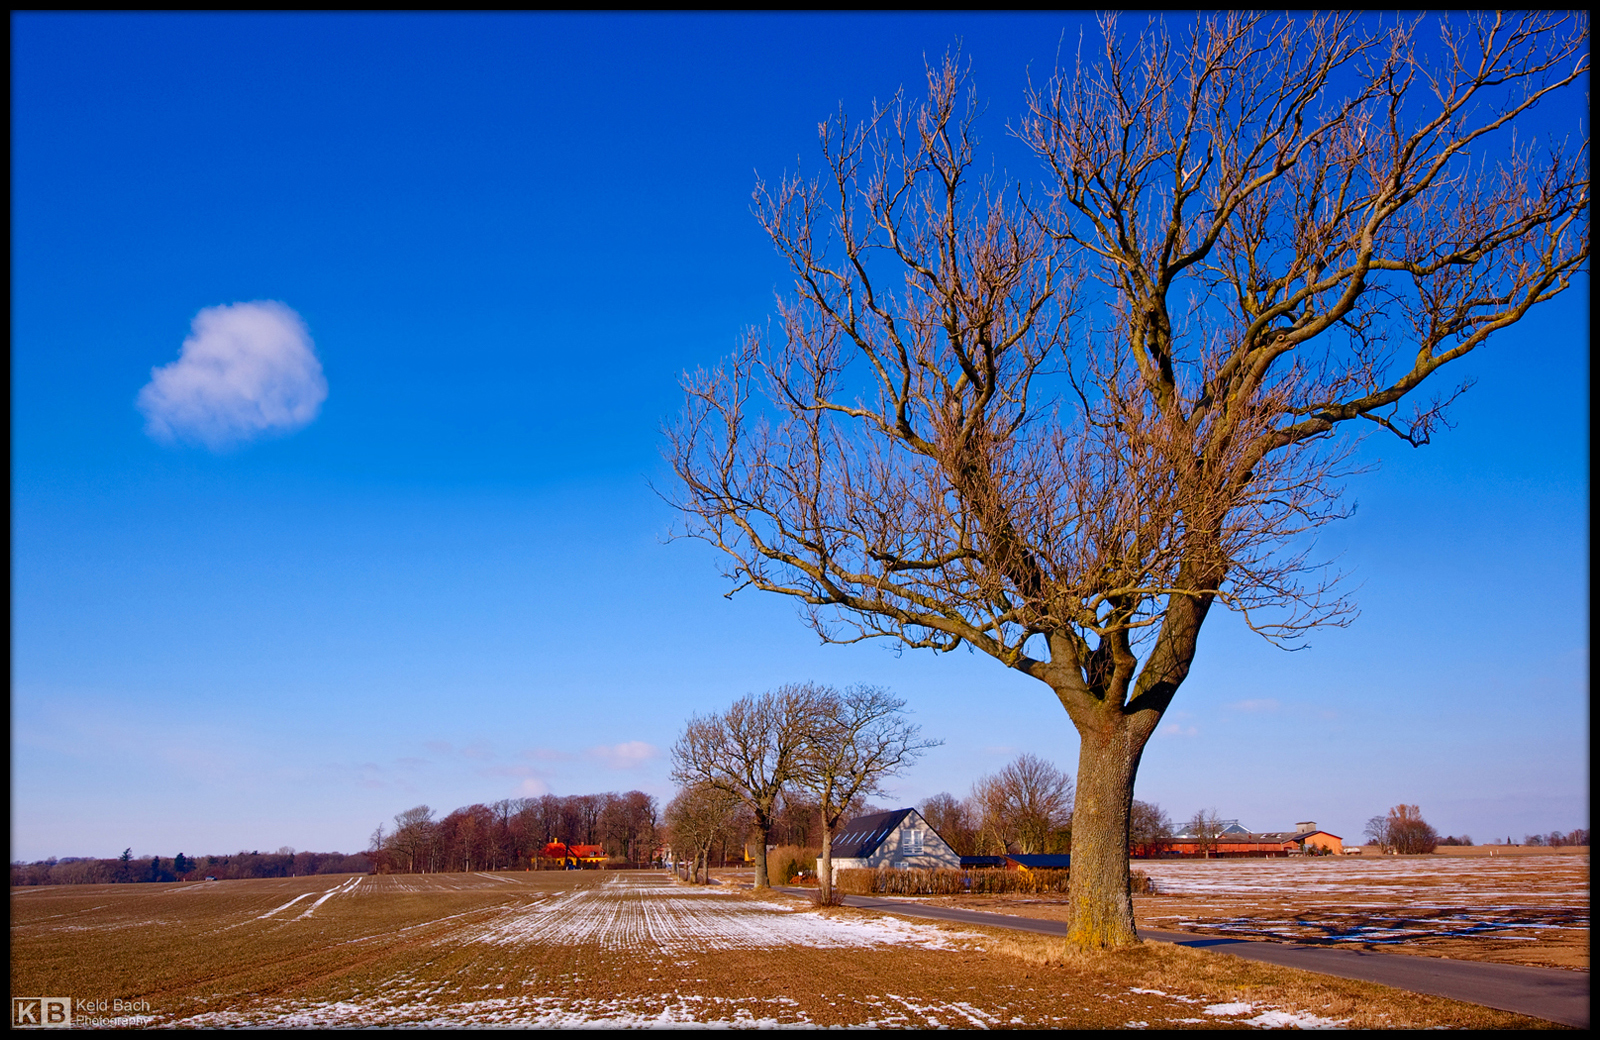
764,830
1100,896
825,865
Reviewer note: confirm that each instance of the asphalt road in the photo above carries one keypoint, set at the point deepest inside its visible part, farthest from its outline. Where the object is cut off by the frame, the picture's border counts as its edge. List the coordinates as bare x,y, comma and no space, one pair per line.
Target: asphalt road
1547,993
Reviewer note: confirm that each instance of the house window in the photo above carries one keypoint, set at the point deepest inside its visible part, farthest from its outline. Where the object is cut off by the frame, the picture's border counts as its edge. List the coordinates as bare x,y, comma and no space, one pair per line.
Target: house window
913,843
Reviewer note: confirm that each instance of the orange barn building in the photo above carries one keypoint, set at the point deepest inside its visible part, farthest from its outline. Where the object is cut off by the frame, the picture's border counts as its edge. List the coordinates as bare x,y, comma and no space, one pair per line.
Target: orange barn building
1235,841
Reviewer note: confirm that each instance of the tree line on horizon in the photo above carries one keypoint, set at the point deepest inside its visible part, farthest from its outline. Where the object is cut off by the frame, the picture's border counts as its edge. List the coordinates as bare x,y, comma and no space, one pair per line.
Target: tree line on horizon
128,868
511,832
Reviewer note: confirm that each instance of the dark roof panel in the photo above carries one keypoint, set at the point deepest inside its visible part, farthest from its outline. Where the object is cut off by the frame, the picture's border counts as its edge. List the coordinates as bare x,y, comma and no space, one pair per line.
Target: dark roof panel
861,836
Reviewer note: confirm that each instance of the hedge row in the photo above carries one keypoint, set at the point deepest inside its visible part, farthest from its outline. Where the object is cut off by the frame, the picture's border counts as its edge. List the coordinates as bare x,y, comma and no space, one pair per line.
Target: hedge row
988,881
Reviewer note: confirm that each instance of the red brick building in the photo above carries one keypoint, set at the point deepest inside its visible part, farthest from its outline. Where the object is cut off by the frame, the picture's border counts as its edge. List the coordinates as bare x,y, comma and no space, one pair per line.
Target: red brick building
1235,841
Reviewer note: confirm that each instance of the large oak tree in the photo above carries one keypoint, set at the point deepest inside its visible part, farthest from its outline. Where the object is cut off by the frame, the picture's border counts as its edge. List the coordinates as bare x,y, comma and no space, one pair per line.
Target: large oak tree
1058,427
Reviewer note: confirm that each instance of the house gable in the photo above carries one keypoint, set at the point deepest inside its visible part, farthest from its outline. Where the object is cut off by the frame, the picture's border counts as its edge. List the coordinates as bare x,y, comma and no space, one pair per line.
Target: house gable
897,839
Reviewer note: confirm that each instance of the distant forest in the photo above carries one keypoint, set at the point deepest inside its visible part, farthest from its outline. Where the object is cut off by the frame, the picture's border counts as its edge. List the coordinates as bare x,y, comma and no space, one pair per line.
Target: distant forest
286,862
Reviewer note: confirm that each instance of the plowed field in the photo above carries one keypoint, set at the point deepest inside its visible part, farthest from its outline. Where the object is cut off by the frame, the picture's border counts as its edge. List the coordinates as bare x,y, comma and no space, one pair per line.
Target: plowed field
626,948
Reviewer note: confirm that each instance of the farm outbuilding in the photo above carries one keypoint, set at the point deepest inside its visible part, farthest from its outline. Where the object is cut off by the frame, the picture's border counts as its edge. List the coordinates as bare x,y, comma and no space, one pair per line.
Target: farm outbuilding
1306,839
898,839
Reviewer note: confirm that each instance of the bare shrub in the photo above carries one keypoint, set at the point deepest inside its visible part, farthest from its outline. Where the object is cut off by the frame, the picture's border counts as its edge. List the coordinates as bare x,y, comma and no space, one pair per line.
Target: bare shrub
1403,831
787,862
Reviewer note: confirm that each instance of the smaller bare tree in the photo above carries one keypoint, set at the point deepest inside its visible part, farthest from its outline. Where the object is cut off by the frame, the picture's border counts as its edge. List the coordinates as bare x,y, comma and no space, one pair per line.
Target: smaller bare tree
856,739
952,821
1206,828
377,847
1027,804
751,751
413,837
1407,833
1149,829
696,818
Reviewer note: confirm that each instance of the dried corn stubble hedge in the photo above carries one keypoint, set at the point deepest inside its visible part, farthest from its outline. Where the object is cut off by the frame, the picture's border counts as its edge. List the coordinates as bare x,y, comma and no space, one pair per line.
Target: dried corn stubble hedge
991,881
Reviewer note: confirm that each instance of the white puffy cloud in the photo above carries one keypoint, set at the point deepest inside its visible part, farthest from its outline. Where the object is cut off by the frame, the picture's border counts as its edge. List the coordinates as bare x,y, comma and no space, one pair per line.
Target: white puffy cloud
246,370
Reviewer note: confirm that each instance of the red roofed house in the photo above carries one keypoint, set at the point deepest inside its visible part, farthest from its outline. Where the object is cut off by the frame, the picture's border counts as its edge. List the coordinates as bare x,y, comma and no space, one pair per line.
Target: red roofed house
560,856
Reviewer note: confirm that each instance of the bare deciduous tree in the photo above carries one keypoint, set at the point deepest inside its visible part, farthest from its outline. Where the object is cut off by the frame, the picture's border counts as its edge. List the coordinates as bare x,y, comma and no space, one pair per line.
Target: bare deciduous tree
1403,831
1290,232
751,751
1027,806
697,817
855,739
413,838
1205,827
951,820
1149,829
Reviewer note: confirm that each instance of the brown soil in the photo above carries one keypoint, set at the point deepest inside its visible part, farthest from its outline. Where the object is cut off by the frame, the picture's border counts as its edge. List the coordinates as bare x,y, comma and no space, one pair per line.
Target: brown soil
1495,851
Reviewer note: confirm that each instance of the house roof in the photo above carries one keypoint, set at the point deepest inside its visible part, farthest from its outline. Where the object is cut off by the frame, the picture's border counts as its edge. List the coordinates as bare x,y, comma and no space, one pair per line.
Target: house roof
1041,862
1229,828
861,836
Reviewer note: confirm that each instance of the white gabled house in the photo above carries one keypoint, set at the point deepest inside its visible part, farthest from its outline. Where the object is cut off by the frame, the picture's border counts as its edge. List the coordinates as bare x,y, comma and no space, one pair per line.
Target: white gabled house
897,839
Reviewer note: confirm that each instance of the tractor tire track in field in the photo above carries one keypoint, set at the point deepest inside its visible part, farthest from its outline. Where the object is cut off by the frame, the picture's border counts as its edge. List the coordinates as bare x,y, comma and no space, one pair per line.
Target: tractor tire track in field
348,886
310,967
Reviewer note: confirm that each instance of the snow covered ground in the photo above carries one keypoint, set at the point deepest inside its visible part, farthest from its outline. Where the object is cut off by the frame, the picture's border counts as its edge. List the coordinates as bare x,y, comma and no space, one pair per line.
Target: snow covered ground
1383,880
1383,900
634,911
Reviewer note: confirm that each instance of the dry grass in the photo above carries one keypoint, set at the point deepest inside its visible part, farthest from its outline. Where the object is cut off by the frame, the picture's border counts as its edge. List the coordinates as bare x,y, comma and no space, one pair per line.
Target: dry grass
1219,978
786,861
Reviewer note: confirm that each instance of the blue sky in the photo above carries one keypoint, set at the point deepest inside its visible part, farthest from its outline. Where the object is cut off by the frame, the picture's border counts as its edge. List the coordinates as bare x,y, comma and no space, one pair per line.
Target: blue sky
506,237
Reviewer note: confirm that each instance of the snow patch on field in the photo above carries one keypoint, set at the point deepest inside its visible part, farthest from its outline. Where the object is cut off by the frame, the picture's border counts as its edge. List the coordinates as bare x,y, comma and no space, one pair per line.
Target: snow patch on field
1381,881
348,886
296,899
1382,900
1273,1018
631,912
